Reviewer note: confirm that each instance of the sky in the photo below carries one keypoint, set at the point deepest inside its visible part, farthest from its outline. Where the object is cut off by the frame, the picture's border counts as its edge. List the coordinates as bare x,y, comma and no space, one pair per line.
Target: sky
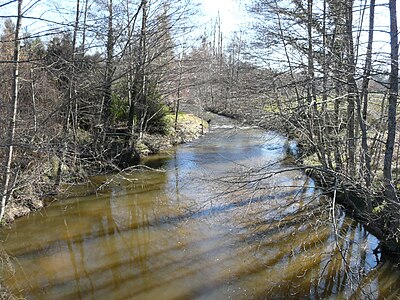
230,11
232,14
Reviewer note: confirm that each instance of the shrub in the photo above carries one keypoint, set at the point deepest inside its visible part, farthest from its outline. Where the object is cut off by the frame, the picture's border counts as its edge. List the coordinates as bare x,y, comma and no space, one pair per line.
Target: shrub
119,108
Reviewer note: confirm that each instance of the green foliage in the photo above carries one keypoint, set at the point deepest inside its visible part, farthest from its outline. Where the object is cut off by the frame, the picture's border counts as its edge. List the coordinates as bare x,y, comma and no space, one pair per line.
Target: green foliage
378,209
35,47
119,108
157,121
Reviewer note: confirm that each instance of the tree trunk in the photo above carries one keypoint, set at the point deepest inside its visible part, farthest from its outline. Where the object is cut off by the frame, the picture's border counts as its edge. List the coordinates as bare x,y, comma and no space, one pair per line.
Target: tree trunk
106,113
390,191
131,77
178,95
315,121
285,48
324,106
85,13
351,91
71,107
336,128
142,109
310,56
365,163
72,86
6,193
73,97
337,121
33,91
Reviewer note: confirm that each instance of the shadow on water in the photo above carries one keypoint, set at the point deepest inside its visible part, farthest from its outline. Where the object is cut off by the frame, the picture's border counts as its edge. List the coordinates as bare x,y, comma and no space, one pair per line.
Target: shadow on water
215,225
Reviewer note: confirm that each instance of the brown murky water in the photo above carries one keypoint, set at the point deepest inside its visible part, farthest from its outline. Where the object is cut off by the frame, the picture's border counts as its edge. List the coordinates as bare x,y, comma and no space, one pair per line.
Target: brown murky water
221,221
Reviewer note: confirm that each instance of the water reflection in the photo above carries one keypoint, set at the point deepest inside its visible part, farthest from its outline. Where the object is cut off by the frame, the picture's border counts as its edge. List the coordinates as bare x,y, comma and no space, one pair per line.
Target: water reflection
214,225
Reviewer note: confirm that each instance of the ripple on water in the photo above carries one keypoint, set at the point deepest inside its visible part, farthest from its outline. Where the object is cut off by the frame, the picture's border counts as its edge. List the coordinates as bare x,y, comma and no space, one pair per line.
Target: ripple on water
216,225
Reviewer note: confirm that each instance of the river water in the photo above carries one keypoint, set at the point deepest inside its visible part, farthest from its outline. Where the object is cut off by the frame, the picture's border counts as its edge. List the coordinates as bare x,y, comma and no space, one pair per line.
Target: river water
225,217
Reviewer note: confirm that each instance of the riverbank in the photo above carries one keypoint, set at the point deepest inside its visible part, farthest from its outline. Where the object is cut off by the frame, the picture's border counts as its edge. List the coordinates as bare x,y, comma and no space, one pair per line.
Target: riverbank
366,205
197,215
37,181
189,127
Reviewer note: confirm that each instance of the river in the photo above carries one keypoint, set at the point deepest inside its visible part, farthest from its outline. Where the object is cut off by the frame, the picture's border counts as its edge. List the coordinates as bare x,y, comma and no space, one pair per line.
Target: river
225,217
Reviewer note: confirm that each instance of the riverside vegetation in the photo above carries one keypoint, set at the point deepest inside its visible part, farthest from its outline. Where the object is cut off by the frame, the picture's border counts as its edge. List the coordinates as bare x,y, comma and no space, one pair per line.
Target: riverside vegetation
88,94
30,198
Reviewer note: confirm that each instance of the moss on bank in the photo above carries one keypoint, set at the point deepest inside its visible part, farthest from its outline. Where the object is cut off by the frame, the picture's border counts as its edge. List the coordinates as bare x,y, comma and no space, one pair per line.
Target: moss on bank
189,127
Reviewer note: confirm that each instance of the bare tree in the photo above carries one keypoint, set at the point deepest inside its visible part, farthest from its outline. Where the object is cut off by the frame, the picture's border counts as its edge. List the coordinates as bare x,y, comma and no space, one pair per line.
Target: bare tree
142,103
109,70
7,173
362,108
351,89
390,190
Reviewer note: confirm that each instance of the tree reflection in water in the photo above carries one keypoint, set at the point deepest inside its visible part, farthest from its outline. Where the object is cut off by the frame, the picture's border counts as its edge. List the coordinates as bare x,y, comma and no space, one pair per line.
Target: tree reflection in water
228,218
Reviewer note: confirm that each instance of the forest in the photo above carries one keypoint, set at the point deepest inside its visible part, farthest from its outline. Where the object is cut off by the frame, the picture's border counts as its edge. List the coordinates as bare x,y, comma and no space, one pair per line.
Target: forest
80,92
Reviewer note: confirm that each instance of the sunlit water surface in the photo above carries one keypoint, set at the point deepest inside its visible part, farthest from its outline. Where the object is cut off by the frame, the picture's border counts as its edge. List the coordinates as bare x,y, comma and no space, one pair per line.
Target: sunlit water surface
217,220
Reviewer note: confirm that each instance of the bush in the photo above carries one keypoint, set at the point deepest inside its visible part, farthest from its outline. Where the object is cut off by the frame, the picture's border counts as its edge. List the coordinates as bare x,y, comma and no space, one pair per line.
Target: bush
119,108
158,121
157,112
